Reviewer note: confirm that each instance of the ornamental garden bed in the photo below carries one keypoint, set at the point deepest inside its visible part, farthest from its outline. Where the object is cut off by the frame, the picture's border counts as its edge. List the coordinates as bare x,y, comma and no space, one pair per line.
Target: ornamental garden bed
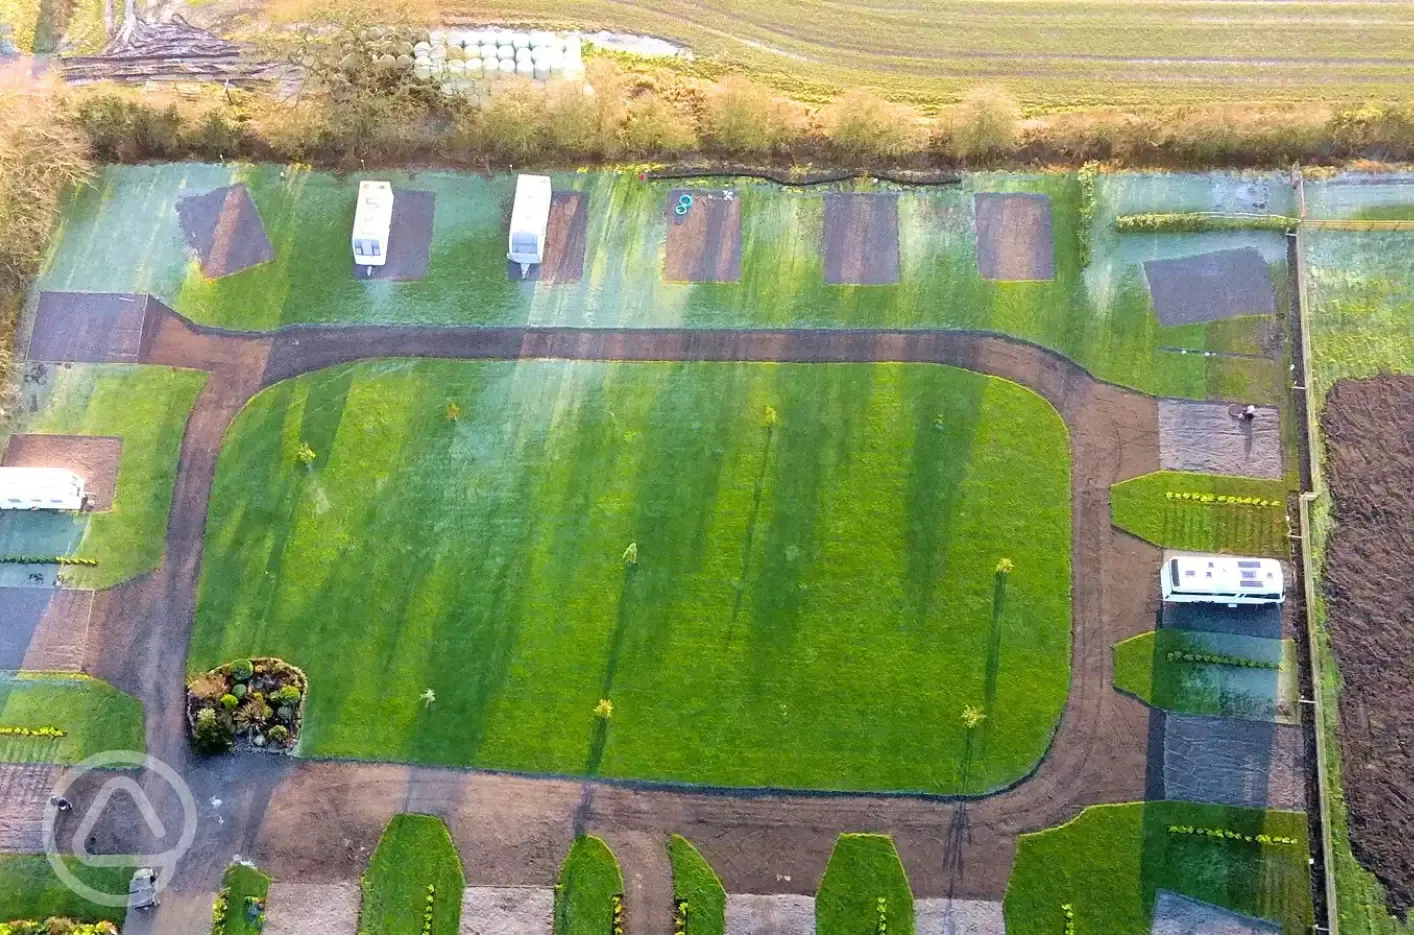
252,705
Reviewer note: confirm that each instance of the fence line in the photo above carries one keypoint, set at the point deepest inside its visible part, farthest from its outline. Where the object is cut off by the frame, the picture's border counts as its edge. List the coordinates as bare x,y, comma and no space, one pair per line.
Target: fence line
1357,224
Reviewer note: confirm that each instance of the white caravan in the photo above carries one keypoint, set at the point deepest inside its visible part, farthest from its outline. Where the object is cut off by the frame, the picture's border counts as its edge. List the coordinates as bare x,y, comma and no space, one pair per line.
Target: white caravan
372,221
529,219
1220,579
39,488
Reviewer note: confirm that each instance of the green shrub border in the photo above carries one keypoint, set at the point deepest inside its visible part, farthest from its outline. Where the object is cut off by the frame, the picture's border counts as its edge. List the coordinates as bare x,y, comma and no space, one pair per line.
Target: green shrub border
1199,222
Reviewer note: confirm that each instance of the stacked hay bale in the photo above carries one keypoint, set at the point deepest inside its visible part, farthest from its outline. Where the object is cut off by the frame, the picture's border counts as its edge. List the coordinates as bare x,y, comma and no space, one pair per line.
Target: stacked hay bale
473,60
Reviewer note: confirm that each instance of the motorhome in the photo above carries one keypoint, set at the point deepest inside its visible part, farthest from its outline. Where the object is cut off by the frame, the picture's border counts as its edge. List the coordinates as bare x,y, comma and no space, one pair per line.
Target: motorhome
530,218
1222,579
373,219
40,488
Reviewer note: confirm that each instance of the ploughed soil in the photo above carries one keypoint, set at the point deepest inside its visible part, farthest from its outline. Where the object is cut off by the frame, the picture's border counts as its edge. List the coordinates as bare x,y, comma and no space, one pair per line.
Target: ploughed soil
1014,241
1368,426
704,245
88,327
861,239
92,457
1211,286
409,239
566,235
223,228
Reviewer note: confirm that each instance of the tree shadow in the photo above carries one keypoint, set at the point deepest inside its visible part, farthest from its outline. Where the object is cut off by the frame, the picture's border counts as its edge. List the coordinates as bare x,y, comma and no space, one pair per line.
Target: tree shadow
994,660
746,546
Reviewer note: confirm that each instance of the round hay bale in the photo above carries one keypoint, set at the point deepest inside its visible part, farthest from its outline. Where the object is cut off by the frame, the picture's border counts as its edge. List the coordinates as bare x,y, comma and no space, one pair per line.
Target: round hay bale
422,47
488,50
475,66
455,67
520,40
542,72
437,37
522,55
455,53
507,66
405,61
505,53
525,68
405,47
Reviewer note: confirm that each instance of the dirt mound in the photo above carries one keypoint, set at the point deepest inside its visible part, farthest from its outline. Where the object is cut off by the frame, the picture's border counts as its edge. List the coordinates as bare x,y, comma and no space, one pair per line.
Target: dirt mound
223,227
1369,588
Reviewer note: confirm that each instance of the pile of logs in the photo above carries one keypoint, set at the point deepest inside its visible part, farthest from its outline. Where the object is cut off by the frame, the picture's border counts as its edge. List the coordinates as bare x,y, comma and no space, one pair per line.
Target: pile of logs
172,51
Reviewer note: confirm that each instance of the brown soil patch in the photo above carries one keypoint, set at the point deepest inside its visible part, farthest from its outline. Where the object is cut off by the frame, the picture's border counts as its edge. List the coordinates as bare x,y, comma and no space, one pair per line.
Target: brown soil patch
1369,588
223,228
1212,438
1014,242
409,239
566,236
88,327
44,628
1211,286
861,239
92,457
704,245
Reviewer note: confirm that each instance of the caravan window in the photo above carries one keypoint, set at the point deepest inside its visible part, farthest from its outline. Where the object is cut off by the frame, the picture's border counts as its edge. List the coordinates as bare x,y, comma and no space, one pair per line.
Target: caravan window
523,243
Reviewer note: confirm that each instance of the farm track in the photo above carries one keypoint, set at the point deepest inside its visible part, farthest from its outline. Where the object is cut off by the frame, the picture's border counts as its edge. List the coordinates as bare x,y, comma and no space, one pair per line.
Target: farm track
317,821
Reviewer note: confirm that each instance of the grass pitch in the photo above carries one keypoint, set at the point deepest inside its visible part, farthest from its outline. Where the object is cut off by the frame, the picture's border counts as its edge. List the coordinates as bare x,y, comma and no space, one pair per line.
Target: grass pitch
94,716
589,880
812,603
865,889
415,852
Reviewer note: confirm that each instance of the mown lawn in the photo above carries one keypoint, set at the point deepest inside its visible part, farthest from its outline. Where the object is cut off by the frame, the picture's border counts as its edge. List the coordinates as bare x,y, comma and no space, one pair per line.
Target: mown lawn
240,883
415,852
813,603
148,407
31,890
589,880
1160,508
697,885
94,715
1152,667
123,235
863,870
1109,862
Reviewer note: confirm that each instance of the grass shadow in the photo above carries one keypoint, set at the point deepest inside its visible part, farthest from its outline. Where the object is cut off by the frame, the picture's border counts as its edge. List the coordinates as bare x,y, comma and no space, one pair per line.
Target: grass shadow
749,539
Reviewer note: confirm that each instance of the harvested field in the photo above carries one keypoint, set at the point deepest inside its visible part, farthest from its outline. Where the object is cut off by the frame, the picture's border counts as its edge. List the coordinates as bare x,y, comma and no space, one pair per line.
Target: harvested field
704,245
1014,241
566,237
1183,915
1228,761
1213,438
781,914
222,227
302,908
88,327
1369,587
507,910
44,628
1210,287
861,239
92,457
409,239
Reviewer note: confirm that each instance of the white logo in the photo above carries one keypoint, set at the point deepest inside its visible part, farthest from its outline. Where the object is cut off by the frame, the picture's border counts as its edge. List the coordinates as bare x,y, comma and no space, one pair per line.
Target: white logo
163,864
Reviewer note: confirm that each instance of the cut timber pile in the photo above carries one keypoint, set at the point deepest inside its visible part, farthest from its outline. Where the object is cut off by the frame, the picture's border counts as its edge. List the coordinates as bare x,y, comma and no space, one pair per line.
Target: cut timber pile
172,51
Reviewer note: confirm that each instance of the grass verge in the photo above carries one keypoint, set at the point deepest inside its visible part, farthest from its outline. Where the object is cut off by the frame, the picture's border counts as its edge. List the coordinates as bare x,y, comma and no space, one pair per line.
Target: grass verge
245,888
1152,667
1143,506
590,885
94,716
697,889
1110,861
864,887
30,889
415,852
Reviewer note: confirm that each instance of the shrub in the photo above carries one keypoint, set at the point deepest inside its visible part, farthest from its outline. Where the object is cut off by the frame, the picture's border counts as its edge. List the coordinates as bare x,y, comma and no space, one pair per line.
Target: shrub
862,127
653,127
305,455
984,125
742,118
242,669
513,127
229,702
1196,222
208,687
1089,205
279,734
285,695
213,734
239,689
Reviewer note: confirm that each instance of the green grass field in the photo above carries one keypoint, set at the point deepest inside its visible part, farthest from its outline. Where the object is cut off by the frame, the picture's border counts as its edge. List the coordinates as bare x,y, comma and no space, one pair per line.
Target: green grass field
863,869
1109,862
808,597
1101,317
31,890
415,852
1143,668
1051,55
148,407
589,880
239,883
697,885
1142,506
94,715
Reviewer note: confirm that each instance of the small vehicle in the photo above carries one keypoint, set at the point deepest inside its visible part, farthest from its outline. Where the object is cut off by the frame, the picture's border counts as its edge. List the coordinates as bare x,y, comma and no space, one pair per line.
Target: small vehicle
1222,579
373,219
530,218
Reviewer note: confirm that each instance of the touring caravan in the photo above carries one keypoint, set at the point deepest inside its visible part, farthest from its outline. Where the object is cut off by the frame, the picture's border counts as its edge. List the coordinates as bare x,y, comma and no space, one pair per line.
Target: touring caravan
529,219
39,488
372,221
1221,579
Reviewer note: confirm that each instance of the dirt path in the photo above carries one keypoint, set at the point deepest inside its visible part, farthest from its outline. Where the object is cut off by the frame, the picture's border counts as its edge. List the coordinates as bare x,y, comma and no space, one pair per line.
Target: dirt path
317,821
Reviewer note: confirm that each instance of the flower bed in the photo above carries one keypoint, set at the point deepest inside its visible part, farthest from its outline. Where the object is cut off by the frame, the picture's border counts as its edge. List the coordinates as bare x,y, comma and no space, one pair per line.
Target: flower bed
247,704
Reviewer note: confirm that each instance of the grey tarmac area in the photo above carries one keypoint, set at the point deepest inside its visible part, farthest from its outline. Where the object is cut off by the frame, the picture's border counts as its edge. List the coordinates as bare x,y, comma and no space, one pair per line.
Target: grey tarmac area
506,910
1211,438
958,917
309,908
782,914
409,239
1227,761
1210,287
44,628
1182,915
